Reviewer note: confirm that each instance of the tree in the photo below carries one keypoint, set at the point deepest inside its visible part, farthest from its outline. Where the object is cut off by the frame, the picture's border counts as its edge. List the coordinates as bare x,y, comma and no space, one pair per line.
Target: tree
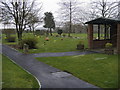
96,9
34,18
105,9
49,21
17,13
33,21
68,10
60,31
119,10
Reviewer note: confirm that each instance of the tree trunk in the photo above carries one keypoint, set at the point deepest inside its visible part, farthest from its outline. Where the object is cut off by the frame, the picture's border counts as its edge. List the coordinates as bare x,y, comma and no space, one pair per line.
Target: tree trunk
50,31
30,28
33,31
19,36
70,28
47,33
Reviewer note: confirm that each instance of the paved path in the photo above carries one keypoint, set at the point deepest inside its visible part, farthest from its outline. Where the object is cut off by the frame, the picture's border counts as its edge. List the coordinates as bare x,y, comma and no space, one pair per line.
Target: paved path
60,54
48,76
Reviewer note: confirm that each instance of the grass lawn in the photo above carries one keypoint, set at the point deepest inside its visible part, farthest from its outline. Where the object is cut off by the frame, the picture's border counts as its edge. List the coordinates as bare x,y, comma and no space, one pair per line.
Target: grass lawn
14,76
98,69
55,44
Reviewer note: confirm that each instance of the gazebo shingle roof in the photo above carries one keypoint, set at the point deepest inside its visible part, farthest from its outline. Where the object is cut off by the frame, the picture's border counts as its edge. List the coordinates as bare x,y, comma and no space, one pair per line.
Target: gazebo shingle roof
103,21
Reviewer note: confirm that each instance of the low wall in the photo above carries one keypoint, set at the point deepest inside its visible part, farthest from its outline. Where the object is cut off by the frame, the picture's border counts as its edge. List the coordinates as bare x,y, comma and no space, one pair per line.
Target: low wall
100,43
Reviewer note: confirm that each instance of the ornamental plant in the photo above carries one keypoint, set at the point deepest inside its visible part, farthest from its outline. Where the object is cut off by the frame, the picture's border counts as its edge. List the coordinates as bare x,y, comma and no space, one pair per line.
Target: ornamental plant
108,45
80,43
30,40
60,32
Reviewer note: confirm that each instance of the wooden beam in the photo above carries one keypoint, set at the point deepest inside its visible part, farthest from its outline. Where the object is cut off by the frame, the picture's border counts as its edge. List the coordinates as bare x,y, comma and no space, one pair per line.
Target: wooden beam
98,31
105,29
118,38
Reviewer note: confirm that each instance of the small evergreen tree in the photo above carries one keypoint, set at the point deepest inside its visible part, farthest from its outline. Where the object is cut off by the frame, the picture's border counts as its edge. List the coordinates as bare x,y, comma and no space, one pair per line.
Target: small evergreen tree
49,21
60,31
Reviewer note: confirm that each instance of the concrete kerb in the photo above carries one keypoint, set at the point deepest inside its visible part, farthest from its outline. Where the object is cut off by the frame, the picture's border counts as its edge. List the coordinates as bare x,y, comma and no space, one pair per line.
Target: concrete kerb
27,72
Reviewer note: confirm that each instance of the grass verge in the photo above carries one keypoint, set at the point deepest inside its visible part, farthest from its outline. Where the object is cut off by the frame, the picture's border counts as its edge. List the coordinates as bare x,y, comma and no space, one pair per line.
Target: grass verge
98,69
15,77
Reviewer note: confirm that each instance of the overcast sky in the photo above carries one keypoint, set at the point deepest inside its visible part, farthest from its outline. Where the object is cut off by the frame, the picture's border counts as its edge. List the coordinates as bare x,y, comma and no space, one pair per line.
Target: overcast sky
52,5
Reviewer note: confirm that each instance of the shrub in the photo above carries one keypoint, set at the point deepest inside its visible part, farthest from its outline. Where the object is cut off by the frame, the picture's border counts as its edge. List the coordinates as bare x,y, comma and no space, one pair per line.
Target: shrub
57,35
80,43
108,45
40,32
64,35
10,39
61,38
31,41
60,32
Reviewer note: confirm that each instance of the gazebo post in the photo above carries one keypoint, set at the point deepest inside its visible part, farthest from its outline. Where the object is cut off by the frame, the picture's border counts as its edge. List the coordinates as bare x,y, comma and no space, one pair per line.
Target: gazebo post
98,31
90,36
105,29
118,38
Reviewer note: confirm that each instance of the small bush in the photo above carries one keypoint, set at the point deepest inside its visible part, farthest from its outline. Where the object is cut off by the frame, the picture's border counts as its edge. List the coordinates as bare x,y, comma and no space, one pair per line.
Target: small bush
64,35
10,39
31,41
80,43
60,32
57,35
108,45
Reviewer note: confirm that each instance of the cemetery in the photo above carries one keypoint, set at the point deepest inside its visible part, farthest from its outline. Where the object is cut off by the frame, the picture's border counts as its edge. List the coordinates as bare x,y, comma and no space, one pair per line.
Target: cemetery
76,49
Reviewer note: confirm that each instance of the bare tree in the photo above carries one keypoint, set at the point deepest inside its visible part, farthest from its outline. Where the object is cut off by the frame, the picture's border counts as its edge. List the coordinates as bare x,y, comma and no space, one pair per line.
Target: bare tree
119,10
17,13
97,8
33,21
105,9
34,18
67,10
82,16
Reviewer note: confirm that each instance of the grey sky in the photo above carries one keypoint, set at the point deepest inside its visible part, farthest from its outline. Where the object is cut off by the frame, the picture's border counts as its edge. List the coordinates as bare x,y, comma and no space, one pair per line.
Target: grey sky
52,5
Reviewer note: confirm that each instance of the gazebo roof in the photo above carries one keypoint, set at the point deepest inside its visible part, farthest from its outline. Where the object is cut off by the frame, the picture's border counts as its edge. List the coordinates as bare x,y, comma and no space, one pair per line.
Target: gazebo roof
103,21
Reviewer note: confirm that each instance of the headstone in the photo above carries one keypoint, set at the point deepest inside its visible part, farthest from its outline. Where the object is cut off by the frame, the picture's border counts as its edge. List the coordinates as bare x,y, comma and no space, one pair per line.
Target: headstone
25,48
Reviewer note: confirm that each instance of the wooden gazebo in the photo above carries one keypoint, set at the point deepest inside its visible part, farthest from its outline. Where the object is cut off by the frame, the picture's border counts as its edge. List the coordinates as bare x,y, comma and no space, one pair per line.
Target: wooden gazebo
106,30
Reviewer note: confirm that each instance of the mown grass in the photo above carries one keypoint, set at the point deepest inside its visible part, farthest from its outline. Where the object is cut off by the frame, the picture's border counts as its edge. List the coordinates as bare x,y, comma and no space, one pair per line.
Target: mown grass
55,44
15,77
98,69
